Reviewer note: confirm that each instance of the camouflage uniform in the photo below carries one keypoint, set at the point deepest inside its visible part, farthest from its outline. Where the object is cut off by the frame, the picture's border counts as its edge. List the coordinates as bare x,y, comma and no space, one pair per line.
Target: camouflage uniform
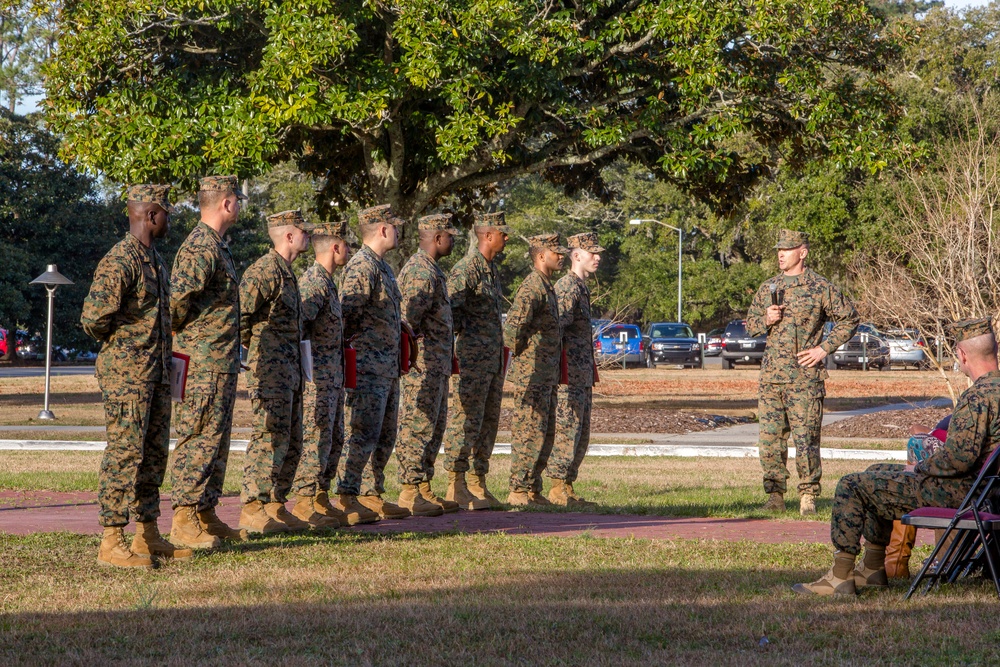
532,333
127,310
866,503
370,303
424,407
271,327
574,399
791,397
323,412
476,392
205,314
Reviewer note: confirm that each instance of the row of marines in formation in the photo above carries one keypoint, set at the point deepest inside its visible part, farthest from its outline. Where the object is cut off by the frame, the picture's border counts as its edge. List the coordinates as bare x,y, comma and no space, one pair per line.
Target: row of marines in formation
310,433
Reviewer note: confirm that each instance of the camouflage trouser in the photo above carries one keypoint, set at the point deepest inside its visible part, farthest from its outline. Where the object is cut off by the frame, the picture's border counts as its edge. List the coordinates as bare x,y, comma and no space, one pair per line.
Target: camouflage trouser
474,412
572,432
203,424
330,471
275,446
533,430
423,413
370,415
321,408
790,411
132,469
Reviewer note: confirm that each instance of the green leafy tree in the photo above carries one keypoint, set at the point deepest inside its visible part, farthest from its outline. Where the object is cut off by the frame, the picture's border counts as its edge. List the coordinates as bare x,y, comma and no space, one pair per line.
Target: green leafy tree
26,38
415,101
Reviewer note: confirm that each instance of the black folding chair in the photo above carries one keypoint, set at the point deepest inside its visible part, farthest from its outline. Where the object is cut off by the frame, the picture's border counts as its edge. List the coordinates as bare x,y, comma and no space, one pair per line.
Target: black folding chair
971,526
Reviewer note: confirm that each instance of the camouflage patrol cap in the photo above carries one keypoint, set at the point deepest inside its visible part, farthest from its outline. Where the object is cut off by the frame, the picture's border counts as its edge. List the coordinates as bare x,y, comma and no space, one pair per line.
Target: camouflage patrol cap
547,241
382,214
586,241
221,184
495,221
967,329
788,239
153,193
286,218
337,229
437,222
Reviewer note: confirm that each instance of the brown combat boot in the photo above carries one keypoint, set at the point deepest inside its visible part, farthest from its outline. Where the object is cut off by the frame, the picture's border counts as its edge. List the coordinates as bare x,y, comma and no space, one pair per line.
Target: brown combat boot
897,554
807,504
447,506
355,512
148,542
213,525
410,499
477,487
114,551
383,508
254,519
576,501
775,503
324,507
870,573
518,499
838,581
185,530
558,494
537,499
459,493
280,513
305,509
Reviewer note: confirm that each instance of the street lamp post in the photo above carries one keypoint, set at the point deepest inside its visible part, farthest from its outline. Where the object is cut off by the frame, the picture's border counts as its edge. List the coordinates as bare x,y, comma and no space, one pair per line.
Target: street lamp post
51,279
680,246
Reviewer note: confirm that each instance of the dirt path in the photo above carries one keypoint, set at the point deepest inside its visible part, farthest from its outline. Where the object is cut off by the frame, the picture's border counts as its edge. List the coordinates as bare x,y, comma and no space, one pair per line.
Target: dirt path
25,512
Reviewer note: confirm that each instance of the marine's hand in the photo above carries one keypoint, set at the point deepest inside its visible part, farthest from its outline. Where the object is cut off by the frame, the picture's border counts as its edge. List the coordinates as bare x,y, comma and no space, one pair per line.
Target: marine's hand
811,357
773,315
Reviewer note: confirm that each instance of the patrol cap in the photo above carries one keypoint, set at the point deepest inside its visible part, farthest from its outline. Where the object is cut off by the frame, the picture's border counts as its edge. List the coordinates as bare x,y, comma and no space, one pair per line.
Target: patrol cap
547,241
437,222
337,229
967,329
495,221
221,184
379,215
152,193
586,241
788,239
286,218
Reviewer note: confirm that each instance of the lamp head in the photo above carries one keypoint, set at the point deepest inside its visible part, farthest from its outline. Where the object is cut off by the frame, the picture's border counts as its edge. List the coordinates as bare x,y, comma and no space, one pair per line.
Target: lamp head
51,278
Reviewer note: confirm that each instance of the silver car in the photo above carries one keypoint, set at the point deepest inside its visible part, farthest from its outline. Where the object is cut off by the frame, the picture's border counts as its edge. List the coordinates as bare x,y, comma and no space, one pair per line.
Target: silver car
906,348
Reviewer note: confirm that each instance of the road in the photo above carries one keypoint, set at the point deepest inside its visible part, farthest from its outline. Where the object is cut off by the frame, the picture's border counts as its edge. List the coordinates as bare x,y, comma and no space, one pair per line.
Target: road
39,371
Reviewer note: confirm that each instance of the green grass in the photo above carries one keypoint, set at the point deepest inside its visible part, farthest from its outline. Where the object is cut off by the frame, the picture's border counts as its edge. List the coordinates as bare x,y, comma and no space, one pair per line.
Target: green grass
356,599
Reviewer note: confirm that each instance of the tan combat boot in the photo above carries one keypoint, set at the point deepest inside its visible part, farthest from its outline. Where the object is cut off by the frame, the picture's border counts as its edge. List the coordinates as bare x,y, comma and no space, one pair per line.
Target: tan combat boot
254,519
324,507
537,499
148,542
185,530
355,512
447,506
775,503
807,504
870,573
576,501
305,509
411,499
459,493
897,554
838,581
114,551
278,512
213,525
518,499
383,508
558,494
477,487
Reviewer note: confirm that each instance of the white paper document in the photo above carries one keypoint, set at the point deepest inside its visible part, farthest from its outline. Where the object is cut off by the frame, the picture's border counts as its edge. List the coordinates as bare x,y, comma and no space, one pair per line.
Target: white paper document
179,375
306,354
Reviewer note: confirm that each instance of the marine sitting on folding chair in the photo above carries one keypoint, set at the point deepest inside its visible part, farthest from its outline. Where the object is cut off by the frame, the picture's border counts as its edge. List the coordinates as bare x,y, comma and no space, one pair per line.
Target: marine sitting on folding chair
866,503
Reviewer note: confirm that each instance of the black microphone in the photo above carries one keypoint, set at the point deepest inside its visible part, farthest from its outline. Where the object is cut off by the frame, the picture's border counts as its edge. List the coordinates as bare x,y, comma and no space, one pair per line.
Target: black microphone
775,300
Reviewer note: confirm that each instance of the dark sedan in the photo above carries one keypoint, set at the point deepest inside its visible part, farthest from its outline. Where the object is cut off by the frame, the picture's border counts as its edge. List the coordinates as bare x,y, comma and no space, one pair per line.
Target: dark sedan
671,343
740,347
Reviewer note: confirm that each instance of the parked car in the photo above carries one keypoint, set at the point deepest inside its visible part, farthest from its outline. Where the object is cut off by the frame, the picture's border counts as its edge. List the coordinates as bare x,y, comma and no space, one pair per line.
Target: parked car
671,343
906,348
29,347
715,340
619,343
3,342
855,353
740,347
